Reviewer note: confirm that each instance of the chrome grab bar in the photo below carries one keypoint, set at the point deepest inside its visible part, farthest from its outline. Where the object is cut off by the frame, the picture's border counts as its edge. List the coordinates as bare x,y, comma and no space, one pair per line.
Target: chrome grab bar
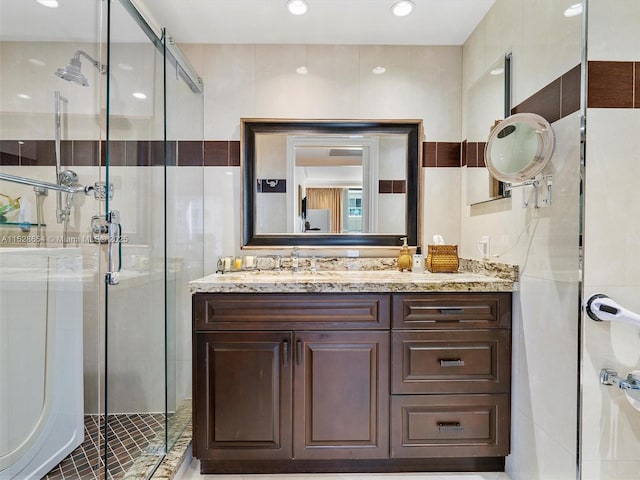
608,376
601,308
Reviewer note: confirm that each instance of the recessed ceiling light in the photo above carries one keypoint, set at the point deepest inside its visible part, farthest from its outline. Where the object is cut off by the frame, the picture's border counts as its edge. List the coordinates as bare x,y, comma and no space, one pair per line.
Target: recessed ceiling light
125,66
574,10
302,70
497,71
139,95
24,96
37,61
402,8
297,7
379,70
48,3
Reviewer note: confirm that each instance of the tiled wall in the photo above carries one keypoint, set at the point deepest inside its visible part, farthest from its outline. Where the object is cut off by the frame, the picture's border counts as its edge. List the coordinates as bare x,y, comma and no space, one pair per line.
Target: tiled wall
611,426
545,47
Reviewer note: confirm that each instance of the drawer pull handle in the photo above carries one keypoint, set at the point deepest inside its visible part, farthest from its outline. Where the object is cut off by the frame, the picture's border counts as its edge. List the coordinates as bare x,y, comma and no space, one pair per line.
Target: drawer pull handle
452,363
285,352
451,311
450,427
298,352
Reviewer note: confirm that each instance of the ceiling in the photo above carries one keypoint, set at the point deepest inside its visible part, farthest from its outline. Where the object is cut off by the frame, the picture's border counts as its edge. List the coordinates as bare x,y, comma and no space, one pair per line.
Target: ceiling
344,22
433,22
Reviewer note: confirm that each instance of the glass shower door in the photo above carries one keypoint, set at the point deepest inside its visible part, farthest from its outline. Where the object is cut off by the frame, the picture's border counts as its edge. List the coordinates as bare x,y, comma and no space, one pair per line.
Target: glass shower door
133,251
184,181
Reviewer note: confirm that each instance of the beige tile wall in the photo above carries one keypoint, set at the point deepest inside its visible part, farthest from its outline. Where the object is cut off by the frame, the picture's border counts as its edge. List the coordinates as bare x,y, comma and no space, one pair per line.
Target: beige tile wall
612,252
543,242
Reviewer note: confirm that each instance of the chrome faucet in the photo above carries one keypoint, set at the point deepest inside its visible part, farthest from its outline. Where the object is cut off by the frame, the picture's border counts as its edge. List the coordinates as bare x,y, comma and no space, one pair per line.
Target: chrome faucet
295,259
276,263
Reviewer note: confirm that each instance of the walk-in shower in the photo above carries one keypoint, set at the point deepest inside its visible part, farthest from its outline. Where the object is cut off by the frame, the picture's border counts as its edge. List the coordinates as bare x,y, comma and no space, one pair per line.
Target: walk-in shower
91,138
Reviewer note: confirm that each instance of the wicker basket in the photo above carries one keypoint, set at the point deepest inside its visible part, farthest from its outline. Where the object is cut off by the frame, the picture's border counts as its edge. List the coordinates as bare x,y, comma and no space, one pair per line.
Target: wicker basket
442,258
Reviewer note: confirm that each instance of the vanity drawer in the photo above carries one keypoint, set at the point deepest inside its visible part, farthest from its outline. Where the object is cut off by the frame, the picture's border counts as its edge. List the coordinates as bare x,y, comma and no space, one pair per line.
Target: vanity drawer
451,310
317,311
451,361
450,425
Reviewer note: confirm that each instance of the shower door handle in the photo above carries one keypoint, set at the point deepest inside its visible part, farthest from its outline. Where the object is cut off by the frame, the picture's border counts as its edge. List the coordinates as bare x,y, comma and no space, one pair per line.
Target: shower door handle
115,238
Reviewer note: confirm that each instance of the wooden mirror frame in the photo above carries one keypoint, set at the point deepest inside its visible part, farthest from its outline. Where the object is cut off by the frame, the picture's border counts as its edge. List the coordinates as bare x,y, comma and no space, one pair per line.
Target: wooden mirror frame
250,127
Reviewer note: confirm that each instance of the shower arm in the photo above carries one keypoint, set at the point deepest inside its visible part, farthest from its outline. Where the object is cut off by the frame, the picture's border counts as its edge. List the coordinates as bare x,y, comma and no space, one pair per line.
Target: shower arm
96,64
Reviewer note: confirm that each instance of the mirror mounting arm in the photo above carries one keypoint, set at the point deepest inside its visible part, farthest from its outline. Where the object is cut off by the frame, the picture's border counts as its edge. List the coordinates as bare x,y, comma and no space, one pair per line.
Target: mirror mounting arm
546,181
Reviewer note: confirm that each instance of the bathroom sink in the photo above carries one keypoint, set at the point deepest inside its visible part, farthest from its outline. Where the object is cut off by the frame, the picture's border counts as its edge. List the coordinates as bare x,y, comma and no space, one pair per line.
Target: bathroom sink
287,276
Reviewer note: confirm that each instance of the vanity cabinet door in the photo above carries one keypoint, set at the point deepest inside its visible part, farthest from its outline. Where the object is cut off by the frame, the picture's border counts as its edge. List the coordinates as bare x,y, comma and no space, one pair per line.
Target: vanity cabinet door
341,395
242,390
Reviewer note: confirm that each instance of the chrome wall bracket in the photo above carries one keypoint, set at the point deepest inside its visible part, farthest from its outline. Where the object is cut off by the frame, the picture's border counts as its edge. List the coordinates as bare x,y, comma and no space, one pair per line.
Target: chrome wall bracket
609,376
546,183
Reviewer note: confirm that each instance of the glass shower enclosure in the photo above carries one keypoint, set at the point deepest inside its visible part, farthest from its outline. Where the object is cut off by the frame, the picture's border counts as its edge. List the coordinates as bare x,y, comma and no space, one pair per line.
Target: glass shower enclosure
100,231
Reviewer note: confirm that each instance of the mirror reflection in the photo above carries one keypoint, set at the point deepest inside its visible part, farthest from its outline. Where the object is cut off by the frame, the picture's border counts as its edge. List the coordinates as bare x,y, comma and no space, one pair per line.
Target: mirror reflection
487,104
328,182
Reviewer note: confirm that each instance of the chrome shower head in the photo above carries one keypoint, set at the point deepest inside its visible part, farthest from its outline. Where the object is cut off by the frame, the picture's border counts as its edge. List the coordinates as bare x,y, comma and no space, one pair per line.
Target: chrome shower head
72,72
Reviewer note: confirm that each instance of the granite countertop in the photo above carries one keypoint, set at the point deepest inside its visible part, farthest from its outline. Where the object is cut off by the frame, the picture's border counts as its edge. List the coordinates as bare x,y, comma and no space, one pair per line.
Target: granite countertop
471,278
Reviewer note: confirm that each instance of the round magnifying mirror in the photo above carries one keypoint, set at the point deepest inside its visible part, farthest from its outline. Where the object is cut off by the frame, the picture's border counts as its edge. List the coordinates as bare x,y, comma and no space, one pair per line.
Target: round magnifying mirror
519,147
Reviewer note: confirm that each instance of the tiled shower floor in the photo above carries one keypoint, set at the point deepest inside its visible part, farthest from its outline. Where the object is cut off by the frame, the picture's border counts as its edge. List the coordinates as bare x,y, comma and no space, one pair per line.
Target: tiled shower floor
129,435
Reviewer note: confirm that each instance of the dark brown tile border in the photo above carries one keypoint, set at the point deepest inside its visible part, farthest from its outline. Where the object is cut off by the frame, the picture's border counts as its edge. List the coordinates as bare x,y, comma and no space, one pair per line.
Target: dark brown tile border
636,86
610,84
613,83
556,100
234,153
481,147
10,152
570,101
191,153
441,154
216,153
399,186
448,154
545,102
385,186
463,154
429,154
392,186
87,152
472,154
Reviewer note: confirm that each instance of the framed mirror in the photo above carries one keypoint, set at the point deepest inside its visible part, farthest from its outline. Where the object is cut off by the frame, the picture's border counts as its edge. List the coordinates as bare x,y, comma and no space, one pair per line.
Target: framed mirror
488,101
330,183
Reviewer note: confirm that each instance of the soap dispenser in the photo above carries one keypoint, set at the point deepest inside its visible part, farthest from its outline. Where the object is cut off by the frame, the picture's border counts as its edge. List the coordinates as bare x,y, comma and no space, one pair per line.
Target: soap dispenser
404,259
418,261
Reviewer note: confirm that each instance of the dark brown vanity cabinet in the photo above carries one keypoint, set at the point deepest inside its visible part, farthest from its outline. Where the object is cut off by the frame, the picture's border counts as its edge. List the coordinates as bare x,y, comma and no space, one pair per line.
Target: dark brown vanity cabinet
320,382
291,394
451,375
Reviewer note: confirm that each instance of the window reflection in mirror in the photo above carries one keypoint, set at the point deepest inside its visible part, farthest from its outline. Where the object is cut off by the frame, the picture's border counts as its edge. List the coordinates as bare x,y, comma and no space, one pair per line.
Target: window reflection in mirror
487,103
330,182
